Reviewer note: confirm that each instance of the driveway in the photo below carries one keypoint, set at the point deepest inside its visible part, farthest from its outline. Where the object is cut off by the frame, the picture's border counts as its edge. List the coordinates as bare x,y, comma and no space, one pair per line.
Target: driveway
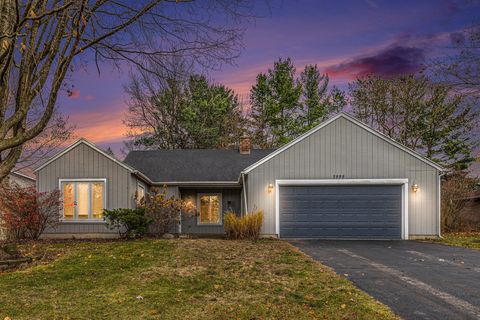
417,280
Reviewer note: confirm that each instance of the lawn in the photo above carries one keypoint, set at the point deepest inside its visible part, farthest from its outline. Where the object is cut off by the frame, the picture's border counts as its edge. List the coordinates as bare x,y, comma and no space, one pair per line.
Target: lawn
180,279
462,239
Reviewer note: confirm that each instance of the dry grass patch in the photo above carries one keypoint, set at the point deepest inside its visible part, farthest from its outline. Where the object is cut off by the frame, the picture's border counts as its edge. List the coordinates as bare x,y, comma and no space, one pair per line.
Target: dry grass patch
461,239
179,279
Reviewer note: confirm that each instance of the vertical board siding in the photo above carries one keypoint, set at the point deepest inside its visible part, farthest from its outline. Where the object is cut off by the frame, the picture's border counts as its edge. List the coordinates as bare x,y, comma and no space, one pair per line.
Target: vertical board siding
83,162
344,148
189,223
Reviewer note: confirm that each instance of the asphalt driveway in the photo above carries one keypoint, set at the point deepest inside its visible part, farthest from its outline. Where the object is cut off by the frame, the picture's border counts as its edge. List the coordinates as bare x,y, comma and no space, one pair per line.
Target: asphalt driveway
417,280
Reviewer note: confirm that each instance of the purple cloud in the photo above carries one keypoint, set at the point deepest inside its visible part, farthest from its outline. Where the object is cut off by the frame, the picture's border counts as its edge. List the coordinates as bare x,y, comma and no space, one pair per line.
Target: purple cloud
389,62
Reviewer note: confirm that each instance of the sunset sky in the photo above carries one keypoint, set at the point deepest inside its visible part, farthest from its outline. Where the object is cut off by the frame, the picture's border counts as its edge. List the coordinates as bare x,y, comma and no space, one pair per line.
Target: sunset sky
344,38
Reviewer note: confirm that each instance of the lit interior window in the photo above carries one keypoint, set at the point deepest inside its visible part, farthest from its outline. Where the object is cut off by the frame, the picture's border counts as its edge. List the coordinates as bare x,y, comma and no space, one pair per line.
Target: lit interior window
210,208
83,200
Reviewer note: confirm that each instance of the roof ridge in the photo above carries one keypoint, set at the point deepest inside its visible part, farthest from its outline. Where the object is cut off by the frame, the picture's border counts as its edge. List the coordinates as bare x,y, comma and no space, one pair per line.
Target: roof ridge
167,150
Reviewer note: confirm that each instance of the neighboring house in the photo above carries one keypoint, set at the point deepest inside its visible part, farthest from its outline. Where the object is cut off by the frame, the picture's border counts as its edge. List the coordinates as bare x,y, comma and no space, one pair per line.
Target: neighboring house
342,179
21,179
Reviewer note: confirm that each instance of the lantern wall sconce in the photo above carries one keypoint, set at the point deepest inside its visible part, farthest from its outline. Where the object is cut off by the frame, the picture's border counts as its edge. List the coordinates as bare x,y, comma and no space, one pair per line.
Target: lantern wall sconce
270,187
415,187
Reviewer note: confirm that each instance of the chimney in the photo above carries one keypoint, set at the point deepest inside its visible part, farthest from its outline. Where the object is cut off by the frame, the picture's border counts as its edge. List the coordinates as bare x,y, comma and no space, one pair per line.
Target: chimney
245,145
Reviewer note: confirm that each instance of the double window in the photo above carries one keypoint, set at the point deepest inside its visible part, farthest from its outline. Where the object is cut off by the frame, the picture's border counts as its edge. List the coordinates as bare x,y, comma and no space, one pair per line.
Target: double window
83,199
210,209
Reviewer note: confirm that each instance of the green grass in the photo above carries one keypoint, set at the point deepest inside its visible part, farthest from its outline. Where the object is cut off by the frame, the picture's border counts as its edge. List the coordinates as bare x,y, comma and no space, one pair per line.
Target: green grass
462,239
180,279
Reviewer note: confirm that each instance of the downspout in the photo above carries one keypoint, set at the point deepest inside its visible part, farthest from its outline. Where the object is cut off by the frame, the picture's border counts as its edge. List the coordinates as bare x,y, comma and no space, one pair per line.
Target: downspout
244,192
439,203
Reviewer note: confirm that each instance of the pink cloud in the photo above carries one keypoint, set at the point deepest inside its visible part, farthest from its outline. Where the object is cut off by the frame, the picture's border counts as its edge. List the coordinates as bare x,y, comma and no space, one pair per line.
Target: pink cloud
101,126
89,98
73,94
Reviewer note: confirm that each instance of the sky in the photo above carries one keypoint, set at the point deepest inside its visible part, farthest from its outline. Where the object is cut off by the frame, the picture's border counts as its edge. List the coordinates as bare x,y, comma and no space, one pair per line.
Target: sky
345,38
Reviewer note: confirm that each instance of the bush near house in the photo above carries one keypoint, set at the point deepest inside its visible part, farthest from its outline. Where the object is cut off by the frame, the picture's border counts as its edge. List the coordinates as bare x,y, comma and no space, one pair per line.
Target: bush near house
246,227
26,213
164,211
130,223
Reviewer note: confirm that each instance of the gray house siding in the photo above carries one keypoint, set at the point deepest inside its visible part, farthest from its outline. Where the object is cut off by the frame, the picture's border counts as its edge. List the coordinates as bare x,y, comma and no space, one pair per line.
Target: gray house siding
84,162
230,201
344,148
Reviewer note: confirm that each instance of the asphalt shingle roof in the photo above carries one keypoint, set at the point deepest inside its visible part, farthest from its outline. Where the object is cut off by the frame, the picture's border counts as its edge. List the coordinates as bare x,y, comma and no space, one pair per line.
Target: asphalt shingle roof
193,164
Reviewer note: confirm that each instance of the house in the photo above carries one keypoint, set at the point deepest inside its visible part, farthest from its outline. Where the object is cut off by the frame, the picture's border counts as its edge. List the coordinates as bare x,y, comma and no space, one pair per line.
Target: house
342,179
20,178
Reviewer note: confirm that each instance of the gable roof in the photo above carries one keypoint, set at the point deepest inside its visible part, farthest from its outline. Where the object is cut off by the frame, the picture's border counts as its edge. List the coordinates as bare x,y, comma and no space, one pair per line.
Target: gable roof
183,166
91,145
355,121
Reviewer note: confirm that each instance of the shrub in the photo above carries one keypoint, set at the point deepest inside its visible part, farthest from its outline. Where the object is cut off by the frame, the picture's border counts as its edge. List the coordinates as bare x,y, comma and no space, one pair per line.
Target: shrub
246,227
26,213
164,211
457,191
130,223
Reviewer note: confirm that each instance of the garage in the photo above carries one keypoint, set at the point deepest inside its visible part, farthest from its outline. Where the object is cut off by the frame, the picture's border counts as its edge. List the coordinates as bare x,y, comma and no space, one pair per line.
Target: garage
343,179
350,211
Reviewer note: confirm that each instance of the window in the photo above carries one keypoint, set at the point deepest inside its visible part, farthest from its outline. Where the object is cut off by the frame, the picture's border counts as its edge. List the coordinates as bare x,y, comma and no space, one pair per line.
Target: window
140,193
97,200
68,200
210,209
83,200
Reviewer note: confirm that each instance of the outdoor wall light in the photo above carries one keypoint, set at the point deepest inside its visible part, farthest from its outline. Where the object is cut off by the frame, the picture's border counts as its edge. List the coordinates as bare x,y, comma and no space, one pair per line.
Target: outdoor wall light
270,187
415,187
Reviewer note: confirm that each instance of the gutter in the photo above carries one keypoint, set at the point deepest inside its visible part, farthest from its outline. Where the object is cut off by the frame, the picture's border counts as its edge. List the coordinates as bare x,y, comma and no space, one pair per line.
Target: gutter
244,191
24,176
197,183
439,202
187,183
143,176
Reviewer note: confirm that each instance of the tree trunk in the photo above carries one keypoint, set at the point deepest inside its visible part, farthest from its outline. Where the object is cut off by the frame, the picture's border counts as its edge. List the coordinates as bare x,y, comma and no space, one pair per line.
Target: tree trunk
8,19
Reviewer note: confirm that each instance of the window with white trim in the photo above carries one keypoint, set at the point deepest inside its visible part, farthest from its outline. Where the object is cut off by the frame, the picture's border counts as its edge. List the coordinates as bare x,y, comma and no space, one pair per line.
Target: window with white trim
83,200
140,193
210,208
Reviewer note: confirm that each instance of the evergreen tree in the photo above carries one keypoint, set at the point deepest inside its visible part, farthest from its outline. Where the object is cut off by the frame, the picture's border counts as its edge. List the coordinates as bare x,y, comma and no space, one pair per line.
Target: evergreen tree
259,95
210,115
283,107
283,101
274,105
317,102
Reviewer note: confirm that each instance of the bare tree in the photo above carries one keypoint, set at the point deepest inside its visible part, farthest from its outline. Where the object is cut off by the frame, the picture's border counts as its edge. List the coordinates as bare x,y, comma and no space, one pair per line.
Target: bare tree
154,104
56,134
41,40
457,190
461,68
424,116
178,109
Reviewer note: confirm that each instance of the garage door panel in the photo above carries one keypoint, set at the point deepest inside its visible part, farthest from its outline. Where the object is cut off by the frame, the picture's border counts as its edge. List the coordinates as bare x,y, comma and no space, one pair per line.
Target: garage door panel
360,211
